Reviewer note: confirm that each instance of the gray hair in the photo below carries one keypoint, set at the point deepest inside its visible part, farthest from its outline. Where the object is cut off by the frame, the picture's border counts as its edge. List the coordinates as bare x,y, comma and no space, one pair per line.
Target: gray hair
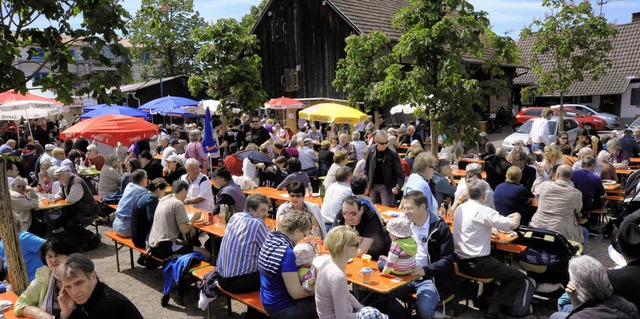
76,263
19,181
565,172
382,135
355,135
110,159
604,156
473,169
588,161
476,188
614,143
590,279
194,135
585,151
191,162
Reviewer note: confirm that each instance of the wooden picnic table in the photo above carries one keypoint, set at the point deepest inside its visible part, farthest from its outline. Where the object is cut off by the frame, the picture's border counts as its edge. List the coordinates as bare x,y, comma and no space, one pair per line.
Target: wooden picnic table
44,204
459,173
624,171
380,283
88,172
12,297
471,160
281,196
157,156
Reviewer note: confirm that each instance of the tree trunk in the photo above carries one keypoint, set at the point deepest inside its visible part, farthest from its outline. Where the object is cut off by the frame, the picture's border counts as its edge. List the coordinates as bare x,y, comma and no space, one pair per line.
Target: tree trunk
434,138
17,270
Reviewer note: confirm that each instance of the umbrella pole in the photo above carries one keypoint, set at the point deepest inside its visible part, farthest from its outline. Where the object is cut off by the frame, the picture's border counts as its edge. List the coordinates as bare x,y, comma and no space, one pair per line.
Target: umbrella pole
28,124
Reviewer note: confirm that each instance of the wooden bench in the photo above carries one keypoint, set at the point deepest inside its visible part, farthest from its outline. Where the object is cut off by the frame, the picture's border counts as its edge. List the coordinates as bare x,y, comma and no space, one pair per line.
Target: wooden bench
466,279
600,212
251,299
121,242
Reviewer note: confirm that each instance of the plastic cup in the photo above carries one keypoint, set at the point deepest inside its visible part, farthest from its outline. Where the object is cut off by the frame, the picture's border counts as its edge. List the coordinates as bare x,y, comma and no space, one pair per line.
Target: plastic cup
366,274
366,258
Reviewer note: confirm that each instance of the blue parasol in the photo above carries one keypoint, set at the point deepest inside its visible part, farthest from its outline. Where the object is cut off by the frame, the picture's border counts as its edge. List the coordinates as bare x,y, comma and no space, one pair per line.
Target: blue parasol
167,102
209,142
115,109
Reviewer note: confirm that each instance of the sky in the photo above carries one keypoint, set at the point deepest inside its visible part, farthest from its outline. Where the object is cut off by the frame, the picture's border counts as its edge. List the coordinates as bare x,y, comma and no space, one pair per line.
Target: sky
505,15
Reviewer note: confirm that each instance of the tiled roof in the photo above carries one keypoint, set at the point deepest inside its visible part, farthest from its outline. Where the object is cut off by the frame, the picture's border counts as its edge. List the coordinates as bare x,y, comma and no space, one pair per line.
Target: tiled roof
371,15
625,58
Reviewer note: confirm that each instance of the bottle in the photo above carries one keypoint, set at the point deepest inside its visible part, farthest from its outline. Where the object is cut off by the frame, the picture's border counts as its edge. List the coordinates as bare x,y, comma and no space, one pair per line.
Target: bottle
442,211
322,190
228,213
223,214
309,190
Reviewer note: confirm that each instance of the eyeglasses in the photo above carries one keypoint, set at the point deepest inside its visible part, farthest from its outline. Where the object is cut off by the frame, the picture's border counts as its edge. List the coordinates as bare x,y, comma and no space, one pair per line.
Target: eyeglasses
432,167
255,121
349,214
296,195
563,138
381,143
21,186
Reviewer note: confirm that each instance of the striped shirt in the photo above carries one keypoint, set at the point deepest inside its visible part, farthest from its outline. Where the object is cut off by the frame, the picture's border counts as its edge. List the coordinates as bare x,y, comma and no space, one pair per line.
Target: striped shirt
399,261
241,245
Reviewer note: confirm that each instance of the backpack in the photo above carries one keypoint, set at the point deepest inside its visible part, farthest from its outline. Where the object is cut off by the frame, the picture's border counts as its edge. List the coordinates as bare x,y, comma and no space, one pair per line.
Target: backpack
522,301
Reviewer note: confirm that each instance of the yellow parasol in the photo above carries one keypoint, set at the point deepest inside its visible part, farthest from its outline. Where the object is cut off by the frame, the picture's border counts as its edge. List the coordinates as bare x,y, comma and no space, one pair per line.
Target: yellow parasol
332,113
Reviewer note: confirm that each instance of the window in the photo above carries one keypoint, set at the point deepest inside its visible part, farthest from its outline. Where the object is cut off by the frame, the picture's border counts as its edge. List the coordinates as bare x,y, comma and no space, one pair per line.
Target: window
73,54
40,75
533,112
635,96
38,54
570,125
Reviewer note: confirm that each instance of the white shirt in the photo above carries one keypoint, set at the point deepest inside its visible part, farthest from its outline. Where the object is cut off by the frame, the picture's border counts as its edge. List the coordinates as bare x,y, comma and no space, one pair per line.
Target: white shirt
333,198
250,170
358,145
472,225
198,189
421,236
168,151
540,131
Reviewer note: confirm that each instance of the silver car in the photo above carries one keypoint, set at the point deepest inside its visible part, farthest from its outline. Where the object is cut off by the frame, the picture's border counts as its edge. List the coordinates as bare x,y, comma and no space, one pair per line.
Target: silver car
571,126
612,120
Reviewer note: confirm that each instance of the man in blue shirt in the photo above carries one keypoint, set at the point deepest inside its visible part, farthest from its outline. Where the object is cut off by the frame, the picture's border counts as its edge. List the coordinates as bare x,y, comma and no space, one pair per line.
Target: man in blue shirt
133,191
424,167
30,245
589,184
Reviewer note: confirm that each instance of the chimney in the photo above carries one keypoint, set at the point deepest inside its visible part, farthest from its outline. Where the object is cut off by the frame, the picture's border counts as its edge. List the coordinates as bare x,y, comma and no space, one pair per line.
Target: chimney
635,17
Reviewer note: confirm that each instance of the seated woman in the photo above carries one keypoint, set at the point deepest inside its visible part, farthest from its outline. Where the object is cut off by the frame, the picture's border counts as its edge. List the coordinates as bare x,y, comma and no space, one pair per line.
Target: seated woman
591,293
40,300
296,174
110,176
333,299
296,203
619,157
552,157
325,158
132,165
143,211
281,292
23,200
45,181
340,159
607,171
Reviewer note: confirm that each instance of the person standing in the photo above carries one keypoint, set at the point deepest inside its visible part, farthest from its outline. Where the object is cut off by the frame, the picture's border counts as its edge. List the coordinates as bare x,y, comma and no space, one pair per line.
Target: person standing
539,133
384,171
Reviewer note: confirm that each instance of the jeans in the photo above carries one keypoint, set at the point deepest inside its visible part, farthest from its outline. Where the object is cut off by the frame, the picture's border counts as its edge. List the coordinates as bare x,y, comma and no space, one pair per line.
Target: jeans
300,309
383,195
427,296
537,147
585,234
559,315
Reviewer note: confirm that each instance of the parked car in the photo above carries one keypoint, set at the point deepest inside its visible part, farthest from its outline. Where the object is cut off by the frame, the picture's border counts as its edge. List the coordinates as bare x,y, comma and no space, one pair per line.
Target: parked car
571,126
634,124
586,121
612,120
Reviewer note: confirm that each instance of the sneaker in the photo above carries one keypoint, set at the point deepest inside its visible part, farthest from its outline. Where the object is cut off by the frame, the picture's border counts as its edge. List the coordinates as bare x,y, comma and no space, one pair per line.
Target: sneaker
439,315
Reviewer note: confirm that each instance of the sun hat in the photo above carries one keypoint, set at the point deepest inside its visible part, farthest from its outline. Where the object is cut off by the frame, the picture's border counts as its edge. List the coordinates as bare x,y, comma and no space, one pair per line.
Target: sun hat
304,253
627,239
172,158
399,227
49,147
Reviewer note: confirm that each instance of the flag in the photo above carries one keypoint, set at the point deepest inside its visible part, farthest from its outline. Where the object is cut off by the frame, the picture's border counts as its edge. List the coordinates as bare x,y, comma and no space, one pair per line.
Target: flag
209,141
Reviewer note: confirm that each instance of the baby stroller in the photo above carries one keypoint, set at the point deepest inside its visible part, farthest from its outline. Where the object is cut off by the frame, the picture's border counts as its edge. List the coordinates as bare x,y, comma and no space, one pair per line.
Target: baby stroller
629,205
546,258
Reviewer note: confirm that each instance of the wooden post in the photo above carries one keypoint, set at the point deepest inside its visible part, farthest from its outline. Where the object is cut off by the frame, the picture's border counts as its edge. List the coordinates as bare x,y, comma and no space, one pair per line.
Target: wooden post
17,270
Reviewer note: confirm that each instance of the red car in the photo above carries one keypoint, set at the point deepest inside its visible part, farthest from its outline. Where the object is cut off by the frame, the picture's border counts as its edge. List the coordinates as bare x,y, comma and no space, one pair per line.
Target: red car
585,121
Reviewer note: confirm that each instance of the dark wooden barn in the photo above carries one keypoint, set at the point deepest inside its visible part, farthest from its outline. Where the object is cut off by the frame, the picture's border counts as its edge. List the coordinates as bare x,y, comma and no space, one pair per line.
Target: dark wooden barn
143,92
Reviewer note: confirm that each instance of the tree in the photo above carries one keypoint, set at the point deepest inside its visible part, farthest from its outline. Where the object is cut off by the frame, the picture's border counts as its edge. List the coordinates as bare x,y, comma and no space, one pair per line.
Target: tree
440,37
362,72
161,33
49,49
569,44
230,66
249,19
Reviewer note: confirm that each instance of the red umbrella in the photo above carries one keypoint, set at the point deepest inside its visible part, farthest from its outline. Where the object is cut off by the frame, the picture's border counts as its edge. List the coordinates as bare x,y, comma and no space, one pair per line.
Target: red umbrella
111,129
282,103
12,96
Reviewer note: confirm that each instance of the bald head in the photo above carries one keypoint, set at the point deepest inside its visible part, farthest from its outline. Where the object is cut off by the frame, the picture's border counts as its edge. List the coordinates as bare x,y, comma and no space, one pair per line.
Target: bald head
585,151
564,172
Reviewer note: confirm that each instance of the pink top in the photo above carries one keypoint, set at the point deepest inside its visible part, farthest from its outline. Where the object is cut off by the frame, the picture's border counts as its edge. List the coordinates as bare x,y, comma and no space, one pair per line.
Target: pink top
333,299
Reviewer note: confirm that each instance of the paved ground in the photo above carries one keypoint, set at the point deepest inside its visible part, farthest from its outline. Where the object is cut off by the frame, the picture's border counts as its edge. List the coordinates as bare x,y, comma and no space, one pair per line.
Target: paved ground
144,287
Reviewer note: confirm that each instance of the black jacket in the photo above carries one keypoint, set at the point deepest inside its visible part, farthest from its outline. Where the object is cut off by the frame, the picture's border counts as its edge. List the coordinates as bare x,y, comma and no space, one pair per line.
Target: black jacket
393,175
626,280
528,177
441,256
106,303
615,307
175,175
496,168
153,169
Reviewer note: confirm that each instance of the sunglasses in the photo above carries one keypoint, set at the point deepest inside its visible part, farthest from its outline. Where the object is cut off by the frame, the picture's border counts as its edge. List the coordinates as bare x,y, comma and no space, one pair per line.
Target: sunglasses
381,143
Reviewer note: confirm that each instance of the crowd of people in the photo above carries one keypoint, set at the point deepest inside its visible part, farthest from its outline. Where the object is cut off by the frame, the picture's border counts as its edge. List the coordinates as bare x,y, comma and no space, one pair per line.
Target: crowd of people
539,184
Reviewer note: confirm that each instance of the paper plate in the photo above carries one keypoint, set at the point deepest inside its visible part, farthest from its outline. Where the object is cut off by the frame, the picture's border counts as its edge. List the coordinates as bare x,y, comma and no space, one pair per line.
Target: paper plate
608,182
284,195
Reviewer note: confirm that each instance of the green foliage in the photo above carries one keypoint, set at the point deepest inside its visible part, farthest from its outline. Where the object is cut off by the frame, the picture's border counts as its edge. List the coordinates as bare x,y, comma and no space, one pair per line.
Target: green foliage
249,19
230,67
440,38
97,38
568,45
161,33
363,71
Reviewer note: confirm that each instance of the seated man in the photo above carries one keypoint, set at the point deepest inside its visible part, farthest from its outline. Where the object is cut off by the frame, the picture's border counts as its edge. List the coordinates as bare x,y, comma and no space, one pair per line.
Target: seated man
434,258
30,245
200,194
151,165
424,167
243,238
335,195
375,240
174,169
82,212
558,203
625,280
110,176
472,241
443,181
589,184
133,191
172,228
519,158
511,197
229,193
474,171
358,188
584,152
496,167
83,295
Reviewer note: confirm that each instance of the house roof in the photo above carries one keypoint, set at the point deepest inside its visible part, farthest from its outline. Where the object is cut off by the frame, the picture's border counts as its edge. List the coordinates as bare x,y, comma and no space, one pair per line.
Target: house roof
366,16
141,85
625,58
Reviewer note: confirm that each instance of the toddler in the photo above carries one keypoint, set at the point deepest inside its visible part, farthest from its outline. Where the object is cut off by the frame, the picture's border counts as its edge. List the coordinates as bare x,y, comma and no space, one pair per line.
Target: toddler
304,258
401,259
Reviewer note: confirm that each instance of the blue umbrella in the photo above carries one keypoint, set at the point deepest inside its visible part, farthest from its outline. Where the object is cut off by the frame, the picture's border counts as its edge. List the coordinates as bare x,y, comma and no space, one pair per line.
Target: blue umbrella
209,143
167,102
179,112
122,110
88,109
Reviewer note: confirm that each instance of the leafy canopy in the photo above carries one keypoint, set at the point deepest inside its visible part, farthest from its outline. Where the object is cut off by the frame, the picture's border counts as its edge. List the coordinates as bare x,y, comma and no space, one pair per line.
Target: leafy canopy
569,44
161,33
230,67
97,37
